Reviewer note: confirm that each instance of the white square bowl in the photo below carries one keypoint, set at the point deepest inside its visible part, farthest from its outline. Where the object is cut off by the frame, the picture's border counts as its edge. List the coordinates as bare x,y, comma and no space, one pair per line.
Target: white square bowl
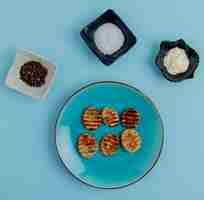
13,80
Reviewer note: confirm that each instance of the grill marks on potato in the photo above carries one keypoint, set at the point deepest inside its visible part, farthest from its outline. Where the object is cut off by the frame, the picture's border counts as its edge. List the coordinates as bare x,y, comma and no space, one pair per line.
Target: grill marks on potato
110,117
109,144
130,140
130,118
92,118
87,145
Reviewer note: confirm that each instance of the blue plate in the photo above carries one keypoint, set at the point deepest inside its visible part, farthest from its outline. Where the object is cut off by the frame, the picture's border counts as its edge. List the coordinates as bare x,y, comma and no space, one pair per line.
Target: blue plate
123,168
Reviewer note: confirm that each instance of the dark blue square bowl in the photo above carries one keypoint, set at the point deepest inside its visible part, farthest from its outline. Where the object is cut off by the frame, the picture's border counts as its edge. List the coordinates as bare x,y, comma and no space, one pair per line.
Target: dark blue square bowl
109,16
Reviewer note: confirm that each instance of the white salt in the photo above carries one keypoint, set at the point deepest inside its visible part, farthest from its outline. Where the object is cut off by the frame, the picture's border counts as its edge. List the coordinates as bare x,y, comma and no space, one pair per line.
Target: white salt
109,38
176,61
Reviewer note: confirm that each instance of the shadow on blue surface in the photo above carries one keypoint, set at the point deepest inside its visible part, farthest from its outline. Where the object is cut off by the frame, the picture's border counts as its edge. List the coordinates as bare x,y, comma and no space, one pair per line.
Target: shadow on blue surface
7,57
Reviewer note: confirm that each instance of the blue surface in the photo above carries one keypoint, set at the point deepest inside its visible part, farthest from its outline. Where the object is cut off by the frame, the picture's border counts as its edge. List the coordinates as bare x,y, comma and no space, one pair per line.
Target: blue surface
122,168
30,168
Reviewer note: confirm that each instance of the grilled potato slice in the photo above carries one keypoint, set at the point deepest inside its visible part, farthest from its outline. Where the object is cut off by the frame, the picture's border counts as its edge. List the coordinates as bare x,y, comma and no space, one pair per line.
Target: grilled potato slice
87,145
131,141
92,118
110,117
109,144
130,118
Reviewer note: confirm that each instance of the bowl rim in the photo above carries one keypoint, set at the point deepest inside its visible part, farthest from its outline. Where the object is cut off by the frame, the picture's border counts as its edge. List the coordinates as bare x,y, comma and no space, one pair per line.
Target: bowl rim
123,84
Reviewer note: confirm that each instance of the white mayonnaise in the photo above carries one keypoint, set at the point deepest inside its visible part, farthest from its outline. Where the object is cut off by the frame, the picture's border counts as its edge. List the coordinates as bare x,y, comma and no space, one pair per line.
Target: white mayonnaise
176,61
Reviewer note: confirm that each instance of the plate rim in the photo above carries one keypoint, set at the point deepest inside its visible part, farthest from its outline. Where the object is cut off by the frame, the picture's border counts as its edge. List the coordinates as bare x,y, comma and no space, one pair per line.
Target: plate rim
154,163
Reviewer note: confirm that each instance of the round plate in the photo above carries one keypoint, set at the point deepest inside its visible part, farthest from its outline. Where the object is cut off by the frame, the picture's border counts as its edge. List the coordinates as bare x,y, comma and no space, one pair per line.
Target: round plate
123,168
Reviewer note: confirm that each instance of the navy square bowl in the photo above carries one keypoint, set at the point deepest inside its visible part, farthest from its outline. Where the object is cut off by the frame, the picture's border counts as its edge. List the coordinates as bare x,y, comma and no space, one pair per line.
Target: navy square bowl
109,16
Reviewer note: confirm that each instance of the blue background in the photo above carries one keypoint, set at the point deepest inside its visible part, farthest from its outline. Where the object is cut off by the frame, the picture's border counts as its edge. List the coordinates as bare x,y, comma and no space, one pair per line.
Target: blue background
29,166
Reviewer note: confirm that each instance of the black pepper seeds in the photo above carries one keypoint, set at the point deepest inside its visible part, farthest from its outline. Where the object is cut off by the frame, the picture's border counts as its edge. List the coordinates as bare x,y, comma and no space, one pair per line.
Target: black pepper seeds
33,74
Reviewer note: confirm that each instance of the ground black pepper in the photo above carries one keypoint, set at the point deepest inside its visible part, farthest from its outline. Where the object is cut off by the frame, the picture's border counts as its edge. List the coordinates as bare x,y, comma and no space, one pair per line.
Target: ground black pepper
33,73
